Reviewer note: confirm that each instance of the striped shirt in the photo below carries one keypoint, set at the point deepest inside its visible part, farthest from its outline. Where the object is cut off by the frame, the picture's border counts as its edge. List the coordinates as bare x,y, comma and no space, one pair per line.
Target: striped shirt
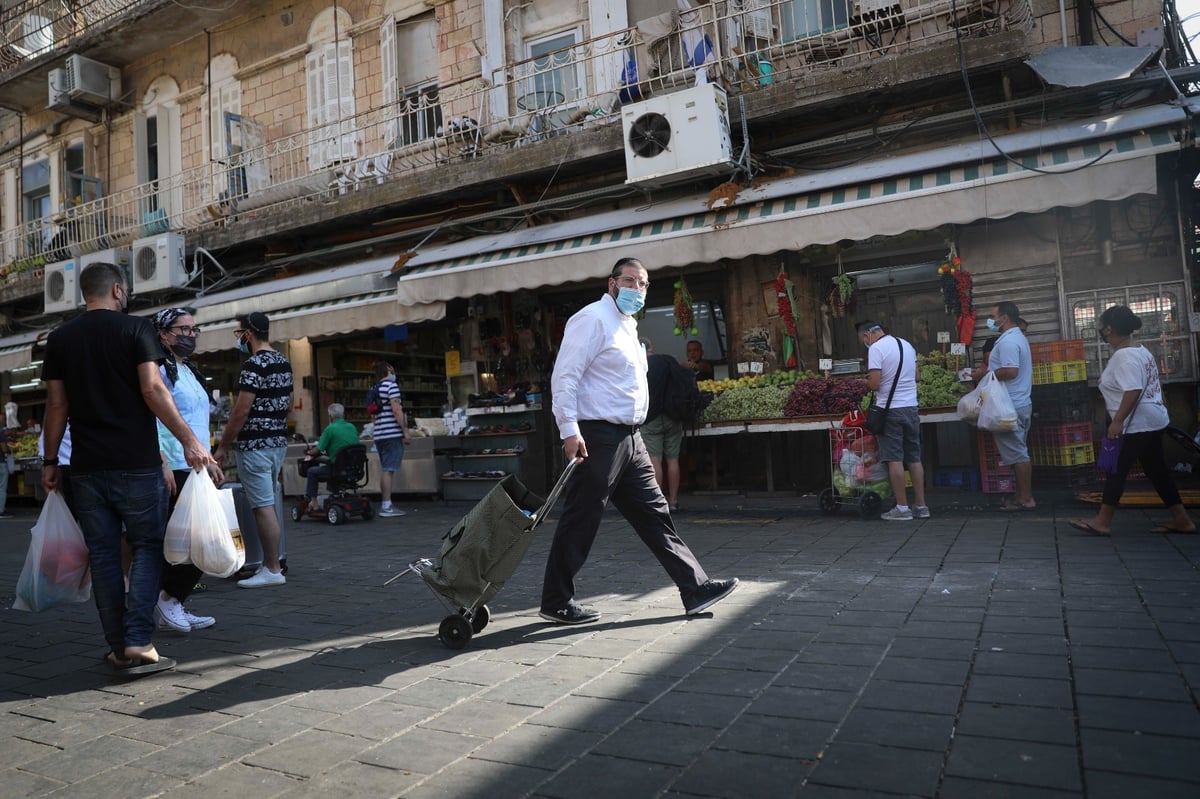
386,424
268,375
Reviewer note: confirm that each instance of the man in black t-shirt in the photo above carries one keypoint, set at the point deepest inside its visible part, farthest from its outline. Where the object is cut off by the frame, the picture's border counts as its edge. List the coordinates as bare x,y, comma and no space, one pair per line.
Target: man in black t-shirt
662,435
101,369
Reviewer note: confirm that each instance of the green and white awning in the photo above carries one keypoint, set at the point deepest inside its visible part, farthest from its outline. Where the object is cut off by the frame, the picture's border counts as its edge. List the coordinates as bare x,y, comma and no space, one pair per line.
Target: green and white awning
774,216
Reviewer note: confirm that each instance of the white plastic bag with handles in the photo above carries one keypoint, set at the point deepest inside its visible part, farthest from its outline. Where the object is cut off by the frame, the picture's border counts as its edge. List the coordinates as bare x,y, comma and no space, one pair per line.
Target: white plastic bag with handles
56,568
996,411
199,530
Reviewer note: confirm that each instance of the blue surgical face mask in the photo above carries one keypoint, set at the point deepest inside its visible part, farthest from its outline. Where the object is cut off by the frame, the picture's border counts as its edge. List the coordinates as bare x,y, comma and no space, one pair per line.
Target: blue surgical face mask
991,324
630,301
244,346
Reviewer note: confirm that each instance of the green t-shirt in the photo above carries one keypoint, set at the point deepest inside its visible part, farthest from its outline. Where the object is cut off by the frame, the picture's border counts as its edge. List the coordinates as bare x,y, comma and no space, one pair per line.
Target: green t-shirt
338,435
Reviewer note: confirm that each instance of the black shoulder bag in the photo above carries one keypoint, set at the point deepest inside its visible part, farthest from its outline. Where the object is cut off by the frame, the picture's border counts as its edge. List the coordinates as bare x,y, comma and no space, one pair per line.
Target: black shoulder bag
876,416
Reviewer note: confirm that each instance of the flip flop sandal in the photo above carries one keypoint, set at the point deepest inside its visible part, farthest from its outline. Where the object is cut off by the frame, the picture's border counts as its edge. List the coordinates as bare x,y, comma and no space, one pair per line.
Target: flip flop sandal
1087,528
138,667
1166,529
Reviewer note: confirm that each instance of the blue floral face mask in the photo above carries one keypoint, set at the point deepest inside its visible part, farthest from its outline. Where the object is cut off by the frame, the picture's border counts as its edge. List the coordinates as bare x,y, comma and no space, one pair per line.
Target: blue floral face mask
630,301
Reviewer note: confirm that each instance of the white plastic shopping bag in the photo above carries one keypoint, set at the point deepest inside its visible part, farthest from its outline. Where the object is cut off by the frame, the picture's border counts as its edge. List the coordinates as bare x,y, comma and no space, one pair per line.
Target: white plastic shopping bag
201,521
56,566
996,411
969,403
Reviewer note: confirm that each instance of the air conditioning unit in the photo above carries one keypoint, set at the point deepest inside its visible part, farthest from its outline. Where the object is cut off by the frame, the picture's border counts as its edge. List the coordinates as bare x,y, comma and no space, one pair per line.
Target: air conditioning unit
120,258
677,136
158,263
91,81
62,287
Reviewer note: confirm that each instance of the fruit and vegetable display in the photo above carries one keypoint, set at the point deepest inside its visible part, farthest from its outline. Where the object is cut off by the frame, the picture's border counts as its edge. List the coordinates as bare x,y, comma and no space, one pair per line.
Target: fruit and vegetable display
791,393
740,403
22,444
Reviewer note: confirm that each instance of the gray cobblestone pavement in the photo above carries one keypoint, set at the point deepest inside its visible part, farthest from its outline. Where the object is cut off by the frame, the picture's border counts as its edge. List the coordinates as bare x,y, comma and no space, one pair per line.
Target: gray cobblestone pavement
975,654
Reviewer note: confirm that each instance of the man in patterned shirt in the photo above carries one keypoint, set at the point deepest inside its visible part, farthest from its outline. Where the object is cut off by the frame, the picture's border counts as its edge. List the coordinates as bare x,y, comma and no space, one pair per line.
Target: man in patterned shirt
257,428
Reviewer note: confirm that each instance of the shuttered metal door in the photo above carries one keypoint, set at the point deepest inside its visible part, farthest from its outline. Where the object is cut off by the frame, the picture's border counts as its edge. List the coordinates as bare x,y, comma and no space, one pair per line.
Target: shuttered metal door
1035,290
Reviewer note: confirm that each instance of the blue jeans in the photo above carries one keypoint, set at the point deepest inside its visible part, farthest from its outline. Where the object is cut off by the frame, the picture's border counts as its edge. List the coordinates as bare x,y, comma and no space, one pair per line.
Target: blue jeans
103,502
316,474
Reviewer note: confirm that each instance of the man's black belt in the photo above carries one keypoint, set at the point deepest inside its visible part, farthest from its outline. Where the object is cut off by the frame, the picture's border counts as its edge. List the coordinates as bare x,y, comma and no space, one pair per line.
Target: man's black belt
628,429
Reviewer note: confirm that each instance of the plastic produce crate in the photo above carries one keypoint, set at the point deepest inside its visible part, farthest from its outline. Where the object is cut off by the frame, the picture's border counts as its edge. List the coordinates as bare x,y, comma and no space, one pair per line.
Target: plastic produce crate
1060,394
1074,455
1054,351
1001,481
1060,435
956,477
989,453
1059,372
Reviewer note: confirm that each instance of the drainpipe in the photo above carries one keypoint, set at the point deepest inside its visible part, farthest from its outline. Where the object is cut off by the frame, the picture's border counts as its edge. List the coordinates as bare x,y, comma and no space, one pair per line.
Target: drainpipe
1062,20
1083,19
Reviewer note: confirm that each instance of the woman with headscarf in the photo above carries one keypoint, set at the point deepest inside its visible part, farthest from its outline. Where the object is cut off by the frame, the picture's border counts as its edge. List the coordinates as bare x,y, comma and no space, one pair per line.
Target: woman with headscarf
177,331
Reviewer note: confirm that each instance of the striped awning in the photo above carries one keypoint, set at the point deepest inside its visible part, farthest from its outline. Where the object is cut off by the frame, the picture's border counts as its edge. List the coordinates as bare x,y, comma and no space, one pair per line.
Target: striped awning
768,218
367,311
16,356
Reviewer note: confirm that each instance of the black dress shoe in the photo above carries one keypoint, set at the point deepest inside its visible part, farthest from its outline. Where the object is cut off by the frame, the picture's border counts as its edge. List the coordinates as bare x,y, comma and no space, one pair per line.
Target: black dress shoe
708,595
571,614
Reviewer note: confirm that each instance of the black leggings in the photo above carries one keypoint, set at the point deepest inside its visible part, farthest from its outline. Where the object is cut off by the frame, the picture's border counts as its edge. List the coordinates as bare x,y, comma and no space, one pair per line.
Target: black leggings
1148,448
179,581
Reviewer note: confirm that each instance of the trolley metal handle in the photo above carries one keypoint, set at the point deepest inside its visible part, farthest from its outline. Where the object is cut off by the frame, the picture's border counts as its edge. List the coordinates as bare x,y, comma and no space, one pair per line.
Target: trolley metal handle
552,498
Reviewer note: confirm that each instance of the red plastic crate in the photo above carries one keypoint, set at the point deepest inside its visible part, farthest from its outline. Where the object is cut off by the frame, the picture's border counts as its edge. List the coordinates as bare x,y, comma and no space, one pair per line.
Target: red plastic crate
989,453
1051,351
999,482
1060,435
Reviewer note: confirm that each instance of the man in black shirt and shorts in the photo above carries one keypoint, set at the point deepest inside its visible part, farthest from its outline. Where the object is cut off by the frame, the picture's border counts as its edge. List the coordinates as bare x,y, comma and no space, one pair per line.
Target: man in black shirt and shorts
101,370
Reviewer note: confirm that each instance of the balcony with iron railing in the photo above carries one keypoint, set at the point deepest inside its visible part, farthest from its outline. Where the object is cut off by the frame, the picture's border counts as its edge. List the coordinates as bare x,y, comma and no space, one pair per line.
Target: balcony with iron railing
747,46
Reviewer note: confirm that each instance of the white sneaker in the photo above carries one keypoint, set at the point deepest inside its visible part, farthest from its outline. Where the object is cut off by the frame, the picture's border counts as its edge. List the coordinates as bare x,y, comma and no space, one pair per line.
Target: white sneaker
170,616
921,512
198,622
392,512
263,578
897,515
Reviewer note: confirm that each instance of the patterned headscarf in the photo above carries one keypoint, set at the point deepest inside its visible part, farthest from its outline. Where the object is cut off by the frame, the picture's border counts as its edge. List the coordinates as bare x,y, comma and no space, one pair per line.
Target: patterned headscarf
162,321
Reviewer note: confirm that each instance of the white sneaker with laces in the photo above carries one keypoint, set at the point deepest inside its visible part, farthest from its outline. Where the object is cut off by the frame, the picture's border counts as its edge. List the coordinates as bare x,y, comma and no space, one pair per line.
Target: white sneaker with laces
198,622
170,616
921,512
897,515
263,578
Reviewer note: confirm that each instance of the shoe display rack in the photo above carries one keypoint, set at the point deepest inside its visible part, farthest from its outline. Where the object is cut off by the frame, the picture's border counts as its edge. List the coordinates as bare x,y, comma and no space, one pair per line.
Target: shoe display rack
496,443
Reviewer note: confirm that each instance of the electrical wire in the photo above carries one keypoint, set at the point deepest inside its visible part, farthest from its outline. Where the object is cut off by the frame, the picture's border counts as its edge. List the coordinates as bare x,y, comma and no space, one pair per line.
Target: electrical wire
1096,13
983,128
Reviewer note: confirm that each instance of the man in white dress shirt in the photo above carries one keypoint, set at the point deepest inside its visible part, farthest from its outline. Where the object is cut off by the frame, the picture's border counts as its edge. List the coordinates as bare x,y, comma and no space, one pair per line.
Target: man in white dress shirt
600,399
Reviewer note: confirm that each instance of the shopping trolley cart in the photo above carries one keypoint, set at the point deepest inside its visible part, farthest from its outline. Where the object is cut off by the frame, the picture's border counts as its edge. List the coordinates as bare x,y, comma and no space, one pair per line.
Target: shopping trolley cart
856,475
480,553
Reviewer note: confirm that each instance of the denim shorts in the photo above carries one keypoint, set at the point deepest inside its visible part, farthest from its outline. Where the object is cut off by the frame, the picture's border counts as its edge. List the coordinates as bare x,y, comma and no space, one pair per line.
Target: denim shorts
258,471
1012,445
391,452
901,438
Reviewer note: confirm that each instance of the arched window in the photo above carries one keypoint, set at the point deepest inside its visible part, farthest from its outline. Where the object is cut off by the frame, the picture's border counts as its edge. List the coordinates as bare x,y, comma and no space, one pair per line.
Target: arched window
329,70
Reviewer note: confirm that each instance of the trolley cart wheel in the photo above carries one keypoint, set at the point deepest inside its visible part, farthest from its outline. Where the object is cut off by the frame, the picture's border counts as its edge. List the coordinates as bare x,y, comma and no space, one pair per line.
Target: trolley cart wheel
480,618
368,511
335,514
296,514
869,504
828,501
454,632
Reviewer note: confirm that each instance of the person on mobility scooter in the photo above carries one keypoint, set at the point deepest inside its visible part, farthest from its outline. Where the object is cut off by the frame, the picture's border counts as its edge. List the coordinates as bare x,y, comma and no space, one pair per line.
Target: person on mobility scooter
345,469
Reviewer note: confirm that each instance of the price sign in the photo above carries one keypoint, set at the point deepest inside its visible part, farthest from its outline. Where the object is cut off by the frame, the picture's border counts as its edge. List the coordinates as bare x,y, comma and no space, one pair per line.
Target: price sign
743,368
756,367
943,337
825,364
958,348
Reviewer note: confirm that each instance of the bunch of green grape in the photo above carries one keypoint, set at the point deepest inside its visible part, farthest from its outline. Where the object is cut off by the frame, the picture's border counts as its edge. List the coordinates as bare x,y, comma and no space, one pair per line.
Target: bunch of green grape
938,388
737,404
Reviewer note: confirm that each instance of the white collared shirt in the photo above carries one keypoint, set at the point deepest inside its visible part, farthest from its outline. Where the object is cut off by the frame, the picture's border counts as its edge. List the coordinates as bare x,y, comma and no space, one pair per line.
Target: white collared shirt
600,372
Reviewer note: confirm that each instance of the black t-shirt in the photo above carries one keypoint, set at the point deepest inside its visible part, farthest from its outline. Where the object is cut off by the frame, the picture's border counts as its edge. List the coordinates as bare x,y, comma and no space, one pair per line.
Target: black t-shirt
96,355
657,369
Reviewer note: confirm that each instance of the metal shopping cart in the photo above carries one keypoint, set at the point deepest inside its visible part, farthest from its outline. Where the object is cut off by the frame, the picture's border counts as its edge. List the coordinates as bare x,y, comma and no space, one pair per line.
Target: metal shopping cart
856,475
480,553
